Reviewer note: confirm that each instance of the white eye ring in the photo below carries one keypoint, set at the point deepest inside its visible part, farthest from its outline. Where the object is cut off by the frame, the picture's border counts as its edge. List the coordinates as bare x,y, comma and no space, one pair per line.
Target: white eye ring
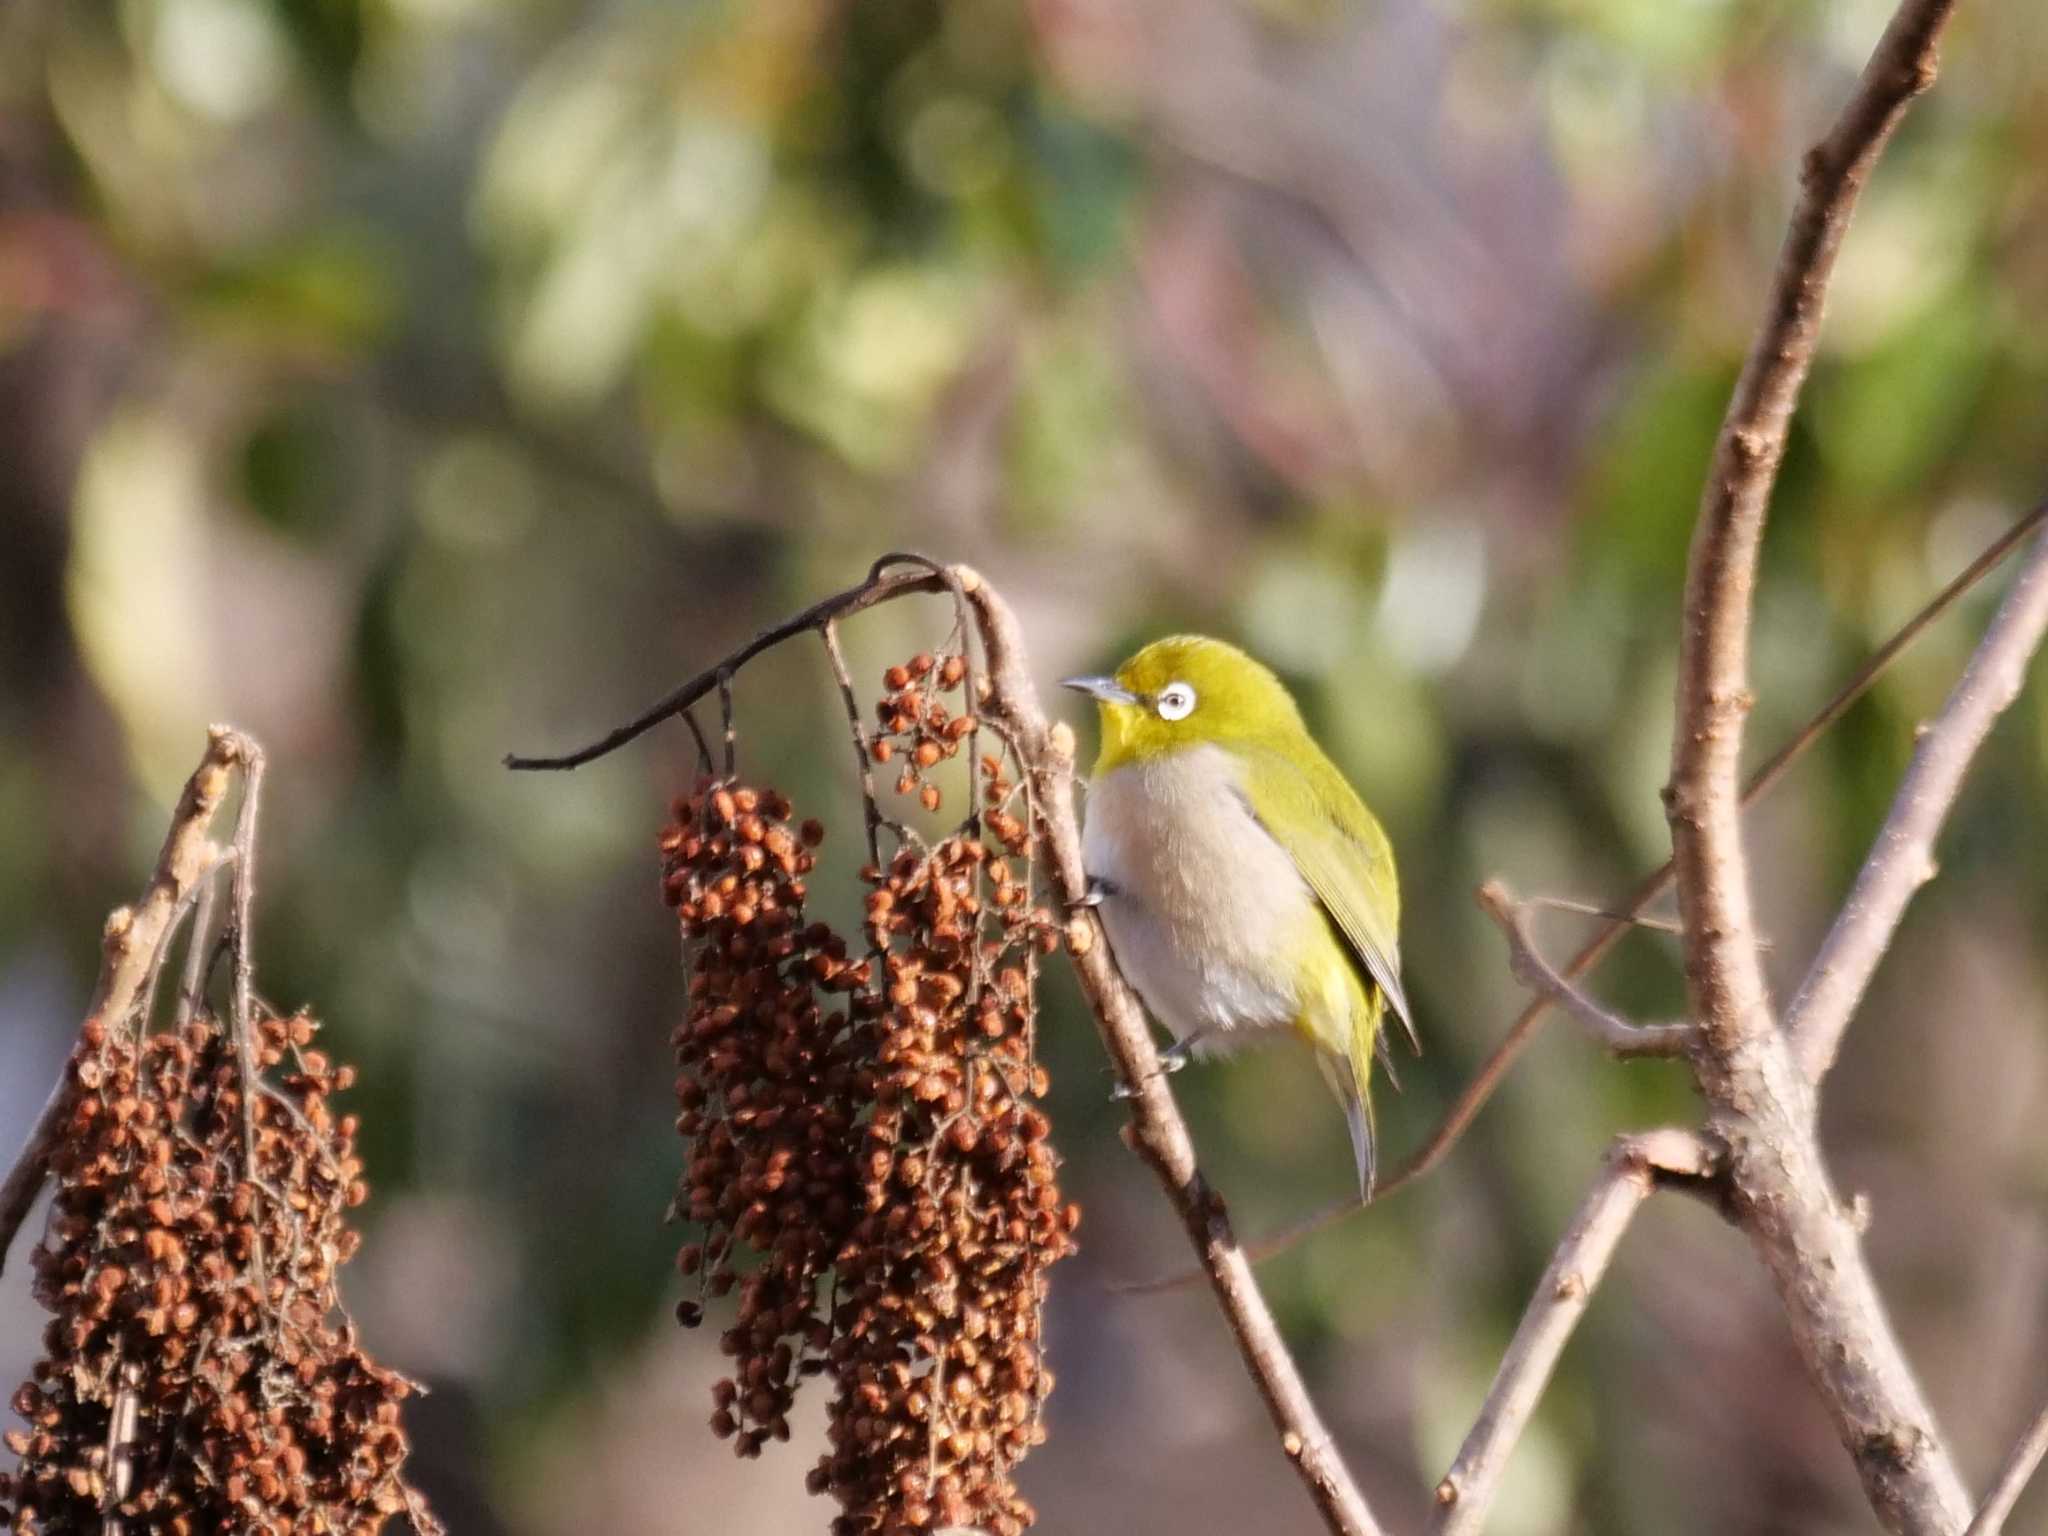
1176,701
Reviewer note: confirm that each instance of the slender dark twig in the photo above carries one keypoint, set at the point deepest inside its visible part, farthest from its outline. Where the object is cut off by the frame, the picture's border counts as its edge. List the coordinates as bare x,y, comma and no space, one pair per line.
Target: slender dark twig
883,583
1902,857
1045,753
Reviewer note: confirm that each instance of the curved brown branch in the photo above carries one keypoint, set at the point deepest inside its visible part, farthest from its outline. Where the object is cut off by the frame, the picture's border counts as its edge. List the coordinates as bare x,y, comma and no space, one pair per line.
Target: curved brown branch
885,580
1901,859
130,953
1158,1132
1619,1035
1628,1176
1762,1103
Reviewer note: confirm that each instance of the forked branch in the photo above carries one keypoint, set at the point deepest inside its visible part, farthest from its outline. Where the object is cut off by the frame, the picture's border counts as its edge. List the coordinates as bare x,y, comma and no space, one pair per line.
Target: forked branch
1619,1035
1633,1168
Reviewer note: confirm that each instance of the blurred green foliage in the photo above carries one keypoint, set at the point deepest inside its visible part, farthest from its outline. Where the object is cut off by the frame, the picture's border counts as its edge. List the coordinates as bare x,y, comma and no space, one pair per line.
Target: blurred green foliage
413,380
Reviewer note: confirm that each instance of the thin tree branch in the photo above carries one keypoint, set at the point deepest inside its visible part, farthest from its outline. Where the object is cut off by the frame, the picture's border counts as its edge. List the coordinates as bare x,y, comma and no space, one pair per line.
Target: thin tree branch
1901,859
1619,1035
1722,965
1762,1104
130,947
1633,1166
2012,1478
1046,753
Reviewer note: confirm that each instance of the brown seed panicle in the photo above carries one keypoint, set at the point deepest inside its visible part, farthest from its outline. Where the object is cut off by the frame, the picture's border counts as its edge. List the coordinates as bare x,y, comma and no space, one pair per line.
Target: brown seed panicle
868,1129
198,1372
770,1084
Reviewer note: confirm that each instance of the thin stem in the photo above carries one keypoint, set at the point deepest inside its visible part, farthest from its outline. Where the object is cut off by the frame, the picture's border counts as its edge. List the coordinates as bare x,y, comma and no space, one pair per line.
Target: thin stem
883,583
1901,859
2012,1478
242,895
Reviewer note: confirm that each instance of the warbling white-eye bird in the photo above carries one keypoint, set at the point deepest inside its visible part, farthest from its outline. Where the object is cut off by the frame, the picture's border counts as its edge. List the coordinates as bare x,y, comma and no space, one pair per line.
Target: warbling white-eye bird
1247,892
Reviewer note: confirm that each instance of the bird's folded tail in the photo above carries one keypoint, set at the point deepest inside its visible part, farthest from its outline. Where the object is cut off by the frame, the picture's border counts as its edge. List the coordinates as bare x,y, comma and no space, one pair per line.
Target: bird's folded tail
1347,1079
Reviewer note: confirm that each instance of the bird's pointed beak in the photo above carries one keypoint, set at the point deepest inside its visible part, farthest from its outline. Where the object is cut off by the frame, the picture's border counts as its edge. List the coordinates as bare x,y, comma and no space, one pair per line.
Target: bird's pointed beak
1106,690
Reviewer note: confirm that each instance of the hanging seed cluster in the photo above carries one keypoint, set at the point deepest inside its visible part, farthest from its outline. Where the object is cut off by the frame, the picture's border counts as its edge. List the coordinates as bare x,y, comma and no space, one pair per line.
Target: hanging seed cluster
867,1154
770,1084
917,727
198,1373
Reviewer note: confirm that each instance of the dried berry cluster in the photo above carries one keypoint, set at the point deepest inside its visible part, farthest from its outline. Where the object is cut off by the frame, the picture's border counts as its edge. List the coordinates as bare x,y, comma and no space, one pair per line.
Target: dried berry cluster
770,1086
916,723
198,1373
866,1130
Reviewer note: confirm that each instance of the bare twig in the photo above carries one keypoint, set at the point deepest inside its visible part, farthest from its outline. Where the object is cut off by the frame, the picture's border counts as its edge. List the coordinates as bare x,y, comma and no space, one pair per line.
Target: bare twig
1722,965
1631,1171
241,948
1901,860
2012,1478
1592,909
129,949
1761,1101
1533,971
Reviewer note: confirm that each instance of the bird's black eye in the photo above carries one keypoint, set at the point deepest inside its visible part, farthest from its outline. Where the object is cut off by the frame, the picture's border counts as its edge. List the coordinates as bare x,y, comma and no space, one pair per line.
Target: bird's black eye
1176,701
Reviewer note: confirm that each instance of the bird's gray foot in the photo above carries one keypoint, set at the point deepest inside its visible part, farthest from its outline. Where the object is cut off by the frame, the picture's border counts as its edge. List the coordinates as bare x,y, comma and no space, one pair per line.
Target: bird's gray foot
1171,1060
1098,890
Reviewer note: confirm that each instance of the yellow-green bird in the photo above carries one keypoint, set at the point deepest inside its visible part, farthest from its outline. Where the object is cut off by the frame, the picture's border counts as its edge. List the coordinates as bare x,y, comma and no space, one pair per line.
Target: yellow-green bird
1247,892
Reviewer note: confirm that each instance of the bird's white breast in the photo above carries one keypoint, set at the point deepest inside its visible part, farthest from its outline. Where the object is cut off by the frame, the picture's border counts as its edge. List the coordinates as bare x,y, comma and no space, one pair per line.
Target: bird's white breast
1204,907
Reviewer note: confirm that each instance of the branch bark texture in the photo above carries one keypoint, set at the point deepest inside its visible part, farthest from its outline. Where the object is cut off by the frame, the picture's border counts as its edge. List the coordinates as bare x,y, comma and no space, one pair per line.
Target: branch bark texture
1762,1103
130,953
1723,969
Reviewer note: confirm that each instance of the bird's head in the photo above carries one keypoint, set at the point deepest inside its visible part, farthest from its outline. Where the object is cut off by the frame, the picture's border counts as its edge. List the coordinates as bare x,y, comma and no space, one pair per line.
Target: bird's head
1187,691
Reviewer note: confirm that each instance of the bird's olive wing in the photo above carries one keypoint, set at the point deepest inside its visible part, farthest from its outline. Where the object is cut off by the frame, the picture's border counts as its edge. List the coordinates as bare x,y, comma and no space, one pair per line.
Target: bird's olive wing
1312,811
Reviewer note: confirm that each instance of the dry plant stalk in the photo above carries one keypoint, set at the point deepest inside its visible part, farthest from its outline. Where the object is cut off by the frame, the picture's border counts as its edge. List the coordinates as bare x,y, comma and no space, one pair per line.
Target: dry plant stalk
867,1157
199,1372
